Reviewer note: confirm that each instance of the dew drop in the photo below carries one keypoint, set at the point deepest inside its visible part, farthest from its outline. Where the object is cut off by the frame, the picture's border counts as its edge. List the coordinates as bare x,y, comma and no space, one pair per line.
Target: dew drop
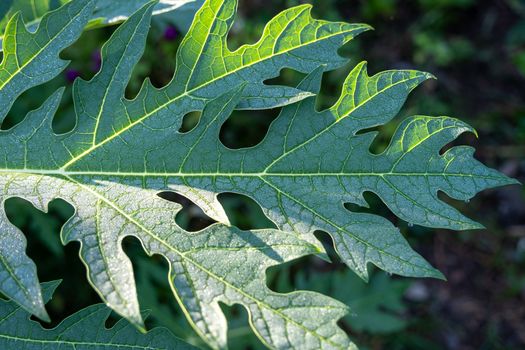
410,224
467,201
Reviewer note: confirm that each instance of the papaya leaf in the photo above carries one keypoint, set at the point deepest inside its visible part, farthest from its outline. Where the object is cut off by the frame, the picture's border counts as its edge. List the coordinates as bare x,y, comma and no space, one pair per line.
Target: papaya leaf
82,330
311,163
122,153
31,59
31,11
220,264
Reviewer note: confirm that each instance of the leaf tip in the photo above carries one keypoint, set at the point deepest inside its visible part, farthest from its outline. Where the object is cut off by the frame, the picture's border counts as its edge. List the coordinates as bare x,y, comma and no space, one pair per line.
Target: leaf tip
475,226
138,323
363,27
151,3
475,132
363,65
141,328
354,29
363,273
436,274
43,315
428,75
307,7
512,181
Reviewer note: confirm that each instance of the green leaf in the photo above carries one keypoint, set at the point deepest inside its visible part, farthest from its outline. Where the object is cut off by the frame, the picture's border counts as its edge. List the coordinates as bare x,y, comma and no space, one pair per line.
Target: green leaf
32,11
83,330
31,59
219,264
107,12
302,184
122,153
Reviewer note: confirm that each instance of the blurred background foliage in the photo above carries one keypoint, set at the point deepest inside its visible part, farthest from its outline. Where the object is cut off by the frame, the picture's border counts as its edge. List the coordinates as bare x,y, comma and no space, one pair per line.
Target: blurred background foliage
476,48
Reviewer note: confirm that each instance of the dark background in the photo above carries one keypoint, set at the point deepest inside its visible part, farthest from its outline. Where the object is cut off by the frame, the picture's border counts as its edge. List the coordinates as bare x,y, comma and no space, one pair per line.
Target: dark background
477,51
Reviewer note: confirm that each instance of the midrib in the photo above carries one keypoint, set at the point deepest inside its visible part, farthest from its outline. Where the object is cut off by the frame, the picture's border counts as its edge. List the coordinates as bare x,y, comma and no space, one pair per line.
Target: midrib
54,173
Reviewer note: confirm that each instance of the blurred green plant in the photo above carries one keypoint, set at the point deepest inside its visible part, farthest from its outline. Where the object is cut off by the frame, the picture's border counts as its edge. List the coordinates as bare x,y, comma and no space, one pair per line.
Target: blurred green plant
376,307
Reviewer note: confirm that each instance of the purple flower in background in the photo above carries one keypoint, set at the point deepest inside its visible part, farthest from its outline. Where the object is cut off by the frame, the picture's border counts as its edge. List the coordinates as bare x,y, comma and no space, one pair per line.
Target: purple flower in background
72,74
170,33
96,59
